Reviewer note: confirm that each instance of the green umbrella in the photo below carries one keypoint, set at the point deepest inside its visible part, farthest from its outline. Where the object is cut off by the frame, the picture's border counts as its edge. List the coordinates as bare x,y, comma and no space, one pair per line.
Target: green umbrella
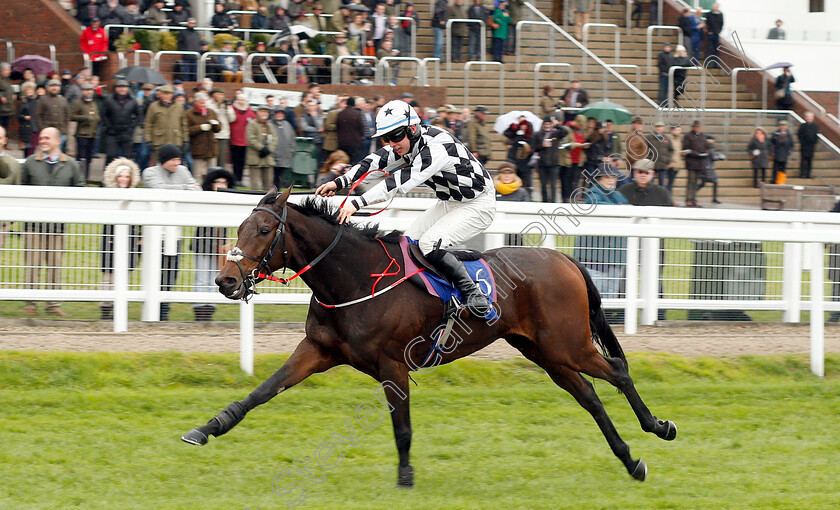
605,110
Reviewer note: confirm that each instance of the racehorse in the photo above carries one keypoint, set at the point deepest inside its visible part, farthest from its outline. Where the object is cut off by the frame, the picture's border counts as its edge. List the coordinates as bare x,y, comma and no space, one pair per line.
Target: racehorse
549,309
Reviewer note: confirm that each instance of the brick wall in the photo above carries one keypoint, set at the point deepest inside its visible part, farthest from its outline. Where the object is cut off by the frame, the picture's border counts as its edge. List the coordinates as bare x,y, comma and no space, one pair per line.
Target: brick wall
39,21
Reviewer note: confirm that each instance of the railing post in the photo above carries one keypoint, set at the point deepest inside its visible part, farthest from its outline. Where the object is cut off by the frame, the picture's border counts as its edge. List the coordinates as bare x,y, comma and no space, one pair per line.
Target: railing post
792,279
150,272
501,80
650,278
246,337
121,256
631,286
817,310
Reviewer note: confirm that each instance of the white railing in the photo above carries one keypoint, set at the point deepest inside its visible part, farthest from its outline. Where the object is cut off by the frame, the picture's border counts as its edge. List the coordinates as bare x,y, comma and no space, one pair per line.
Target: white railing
649,41
703,94
802,235
518,49
248,67
501,67
735,71
292,74
538,67
336,72
426,62
605,84
194,54
448,38
383,69
616,41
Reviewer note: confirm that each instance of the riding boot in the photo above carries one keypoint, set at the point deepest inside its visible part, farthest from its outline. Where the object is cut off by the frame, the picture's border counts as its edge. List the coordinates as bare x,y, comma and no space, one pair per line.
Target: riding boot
454,271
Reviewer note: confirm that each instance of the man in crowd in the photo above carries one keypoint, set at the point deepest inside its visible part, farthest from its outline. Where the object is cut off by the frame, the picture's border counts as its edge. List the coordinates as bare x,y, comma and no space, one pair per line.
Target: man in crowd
478,135
202,126
189,40
574,97
664,62
714,26
350,129
330,142
44,242
52,110
662,150
635,145
476,11
224,114
777,32
166,121
7,95
781,146
695,147
169,173
120,114
85,113
459,30
284,148
808,137
643,191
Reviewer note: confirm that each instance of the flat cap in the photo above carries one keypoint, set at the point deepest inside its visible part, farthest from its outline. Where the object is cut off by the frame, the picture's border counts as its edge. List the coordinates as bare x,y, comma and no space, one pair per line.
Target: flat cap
53,82
167,89
122,83
643,164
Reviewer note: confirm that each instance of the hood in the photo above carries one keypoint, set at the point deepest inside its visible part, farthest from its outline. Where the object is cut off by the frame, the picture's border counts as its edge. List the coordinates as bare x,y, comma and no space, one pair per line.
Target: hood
109,176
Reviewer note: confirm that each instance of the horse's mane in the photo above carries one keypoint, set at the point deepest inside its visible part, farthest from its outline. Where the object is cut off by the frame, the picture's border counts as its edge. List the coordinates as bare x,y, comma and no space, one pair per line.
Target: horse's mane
323,209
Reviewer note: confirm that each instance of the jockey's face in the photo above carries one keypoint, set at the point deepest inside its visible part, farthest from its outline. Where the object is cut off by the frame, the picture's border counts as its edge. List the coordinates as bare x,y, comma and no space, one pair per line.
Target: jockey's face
403,146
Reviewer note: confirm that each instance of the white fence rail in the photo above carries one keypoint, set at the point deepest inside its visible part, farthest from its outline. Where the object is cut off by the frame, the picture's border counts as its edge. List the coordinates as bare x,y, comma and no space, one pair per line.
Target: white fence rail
165,220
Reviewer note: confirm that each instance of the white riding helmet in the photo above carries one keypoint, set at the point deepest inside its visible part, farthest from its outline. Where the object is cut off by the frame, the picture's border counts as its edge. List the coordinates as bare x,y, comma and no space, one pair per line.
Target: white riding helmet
394,115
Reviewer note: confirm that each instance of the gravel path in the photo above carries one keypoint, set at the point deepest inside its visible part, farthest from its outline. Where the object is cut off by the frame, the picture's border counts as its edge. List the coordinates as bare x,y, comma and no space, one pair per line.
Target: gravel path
686,340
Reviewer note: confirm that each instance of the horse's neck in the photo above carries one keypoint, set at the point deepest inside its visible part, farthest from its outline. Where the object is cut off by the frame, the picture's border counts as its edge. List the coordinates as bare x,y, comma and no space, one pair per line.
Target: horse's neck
338,275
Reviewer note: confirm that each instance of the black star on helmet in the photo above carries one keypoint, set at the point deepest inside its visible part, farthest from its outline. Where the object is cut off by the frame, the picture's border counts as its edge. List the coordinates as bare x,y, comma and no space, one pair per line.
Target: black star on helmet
389,111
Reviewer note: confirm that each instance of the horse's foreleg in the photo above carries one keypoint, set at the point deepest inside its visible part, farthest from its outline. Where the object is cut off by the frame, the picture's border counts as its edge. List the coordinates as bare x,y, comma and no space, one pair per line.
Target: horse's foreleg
393,377
307,359
614,371
584,393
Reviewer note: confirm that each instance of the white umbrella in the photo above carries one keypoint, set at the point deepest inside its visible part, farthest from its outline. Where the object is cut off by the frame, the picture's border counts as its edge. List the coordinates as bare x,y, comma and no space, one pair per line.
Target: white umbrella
504,121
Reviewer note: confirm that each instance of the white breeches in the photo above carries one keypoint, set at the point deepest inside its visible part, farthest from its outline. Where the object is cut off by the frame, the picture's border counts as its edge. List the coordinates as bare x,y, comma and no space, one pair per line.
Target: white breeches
450,223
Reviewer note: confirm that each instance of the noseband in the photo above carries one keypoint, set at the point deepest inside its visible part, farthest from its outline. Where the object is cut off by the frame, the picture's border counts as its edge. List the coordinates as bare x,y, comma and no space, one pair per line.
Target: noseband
249,282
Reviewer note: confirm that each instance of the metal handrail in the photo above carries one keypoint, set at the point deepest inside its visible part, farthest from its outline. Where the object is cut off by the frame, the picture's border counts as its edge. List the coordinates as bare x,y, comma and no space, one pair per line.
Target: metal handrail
518,48
448,37
156,60
501,80
383,67
202,61
575,43
88,63
292,74
246,31
247,67
735,71
123,60
649,44
539,66
426,62
810,101
833,118
671,85
628,14
336,72
53,57
617,48
413,32
605,87
10,51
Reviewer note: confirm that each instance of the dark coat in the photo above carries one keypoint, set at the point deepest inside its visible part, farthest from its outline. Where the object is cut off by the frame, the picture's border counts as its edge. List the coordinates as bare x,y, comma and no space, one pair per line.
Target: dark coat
782,145
550,156
203,143
120,116
807,135
7,109
86,114
664,61
698,147
652,194
582,98
350,127
26,127
714,22
763,149
662,149
189,40
52,111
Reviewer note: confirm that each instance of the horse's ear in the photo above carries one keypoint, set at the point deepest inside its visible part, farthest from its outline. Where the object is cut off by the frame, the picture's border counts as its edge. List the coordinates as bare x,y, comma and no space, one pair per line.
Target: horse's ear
284,196
271,193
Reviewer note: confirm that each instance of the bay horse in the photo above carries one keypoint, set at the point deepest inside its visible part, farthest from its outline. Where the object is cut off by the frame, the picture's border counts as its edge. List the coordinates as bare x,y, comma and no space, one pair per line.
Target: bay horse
548,307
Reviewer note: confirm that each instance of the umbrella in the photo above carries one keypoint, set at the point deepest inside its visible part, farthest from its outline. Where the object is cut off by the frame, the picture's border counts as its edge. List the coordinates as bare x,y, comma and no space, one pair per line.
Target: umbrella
778,65
38,64
303,31
504,121
140,74
605,110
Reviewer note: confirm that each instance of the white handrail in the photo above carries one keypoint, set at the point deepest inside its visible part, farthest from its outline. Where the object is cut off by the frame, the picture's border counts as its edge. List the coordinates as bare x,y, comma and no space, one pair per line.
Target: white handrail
336,73
501,80
617,43
671,85
292,74
605,86
810,101
448,38
649,41
538,67
426,62
413,23
10,51
734,91
247,68
156,60
383,68
518,49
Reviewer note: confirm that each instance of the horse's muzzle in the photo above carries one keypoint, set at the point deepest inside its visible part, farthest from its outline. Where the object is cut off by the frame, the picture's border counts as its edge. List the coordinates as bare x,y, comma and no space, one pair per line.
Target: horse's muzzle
230,287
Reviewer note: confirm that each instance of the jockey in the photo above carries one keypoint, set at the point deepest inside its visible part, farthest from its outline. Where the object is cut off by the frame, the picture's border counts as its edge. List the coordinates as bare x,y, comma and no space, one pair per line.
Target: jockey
416,155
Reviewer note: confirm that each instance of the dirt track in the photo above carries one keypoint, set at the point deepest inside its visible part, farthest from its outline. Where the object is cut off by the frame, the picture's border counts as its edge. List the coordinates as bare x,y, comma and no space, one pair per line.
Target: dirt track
694,340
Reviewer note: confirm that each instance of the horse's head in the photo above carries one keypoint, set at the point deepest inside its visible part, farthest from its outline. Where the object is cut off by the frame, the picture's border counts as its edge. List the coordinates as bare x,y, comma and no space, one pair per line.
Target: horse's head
260,247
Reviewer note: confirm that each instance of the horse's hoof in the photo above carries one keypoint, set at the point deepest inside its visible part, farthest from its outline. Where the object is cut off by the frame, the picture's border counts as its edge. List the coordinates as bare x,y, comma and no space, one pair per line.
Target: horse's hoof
640,471
195,437
405,478
670,430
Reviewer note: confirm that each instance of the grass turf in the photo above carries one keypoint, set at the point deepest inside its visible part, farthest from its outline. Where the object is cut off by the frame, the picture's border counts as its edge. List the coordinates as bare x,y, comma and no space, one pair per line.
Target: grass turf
101,431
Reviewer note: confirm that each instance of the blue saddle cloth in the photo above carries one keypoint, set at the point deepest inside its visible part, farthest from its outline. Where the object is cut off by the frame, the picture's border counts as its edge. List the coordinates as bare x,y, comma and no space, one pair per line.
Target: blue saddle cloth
480,273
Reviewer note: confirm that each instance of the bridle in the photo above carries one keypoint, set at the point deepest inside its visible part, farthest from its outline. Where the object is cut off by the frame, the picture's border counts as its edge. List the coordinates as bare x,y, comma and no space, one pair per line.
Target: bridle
249,282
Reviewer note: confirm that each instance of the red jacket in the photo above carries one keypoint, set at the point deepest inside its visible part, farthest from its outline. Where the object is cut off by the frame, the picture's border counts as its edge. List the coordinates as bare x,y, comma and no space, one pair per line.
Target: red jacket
94,40
237,127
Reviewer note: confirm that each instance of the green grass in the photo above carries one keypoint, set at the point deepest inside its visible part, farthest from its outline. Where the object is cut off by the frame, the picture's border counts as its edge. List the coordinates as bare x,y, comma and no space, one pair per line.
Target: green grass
101,431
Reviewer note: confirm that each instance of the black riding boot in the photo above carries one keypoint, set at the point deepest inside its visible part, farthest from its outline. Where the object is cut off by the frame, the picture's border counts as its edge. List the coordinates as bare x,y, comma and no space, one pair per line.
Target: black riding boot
454,271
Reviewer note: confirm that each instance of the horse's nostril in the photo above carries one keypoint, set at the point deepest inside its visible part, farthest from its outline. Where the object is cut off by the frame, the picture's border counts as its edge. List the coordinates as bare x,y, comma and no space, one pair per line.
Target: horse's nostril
226,282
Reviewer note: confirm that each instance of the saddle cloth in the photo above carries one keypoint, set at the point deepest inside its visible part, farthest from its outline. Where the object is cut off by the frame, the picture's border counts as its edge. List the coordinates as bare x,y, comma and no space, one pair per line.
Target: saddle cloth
478,270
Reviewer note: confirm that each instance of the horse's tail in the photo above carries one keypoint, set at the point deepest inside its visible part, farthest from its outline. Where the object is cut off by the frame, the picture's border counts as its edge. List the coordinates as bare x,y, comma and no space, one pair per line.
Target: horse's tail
602,333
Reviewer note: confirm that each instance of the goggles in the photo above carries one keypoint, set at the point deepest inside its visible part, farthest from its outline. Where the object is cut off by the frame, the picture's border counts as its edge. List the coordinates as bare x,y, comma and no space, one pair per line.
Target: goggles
396,135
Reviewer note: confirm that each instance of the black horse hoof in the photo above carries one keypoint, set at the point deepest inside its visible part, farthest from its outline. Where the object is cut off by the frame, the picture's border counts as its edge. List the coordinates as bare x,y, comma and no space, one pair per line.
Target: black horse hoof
195,437
640,471
670,430
405,478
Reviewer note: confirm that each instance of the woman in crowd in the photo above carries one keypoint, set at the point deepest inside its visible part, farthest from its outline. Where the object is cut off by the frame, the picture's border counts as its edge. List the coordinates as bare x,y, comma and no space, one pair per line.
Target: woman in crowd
238,143
520,137
680,60
759,151
337,163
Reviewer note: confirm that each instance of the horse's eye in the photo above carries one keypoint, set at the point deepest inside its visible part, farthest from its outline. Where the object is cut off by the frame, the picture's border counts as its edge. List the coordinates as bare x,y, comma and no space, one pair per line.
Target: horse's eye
264,232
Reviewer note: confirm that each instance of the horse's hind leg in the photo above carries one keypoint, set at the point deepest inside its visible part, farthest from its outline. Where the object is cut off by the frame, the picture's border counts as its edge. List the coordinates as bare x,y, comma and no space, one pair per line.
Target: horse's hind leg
614,371
583,391
307,359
